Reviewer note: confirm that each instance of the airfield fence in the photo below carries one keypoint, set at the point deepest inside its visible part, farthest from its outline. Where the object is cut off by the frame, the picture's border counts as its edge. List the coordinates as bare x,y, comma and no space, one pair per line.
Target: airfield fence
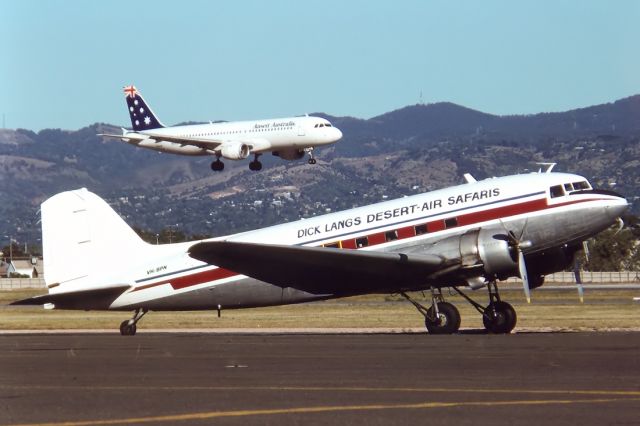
559,278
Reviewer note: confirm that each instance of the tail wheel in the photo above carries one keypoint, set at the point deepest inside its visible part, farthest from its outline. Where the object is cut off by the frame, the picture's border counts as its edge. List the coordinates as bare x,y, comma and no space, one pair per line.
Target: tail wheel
446,321
127,329
499,318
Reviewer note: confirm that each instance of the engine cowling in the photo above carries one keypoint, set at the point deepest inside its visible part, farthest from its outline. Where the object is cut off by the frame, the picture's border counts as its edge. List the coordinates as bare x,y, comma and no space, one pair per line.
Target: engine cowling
235,150
290,154
485,247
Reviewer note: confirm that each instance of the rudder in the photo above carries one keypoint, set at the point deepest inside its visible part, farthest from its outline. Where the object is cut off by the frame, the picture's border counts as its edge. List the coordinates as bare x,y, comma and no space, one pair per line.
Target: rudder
142,118
84,241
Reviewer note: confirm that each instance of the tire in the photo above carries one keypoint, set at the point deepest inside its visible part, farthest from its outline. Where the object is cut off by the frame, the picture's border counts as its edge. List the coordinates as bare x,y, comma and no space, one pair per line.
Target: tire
124,327
448,321
500,318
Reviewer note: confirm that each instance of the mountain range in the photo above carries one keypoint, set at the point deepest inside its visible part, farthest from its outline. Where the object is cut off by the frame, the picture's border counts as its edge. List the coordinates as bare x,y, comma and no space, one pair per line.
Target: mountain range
406,151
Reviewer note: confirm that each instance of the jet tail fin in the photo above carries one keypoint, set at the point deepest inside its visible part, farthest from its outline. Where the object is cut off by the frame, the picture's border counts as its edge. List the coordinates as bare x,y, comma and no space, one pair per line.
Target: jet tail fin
142,117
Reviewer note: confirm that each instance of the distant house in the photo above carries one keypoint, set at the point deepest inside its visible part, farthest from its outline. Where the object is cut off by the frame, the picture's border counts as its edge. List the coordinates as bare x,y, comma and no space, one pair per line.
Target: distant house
4,269
32,268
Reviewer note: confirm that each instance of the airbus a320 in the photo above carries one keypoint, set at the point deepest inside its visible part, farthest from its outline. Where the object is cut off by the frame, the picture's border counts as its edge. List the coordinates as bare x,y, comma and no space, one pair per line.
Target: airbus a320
289,138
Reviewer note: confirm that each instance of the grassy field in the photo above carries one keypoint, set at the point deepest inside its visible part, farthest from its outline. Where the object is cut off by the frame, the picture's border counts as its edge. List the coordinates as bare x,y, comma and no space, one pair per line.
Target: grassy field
557,310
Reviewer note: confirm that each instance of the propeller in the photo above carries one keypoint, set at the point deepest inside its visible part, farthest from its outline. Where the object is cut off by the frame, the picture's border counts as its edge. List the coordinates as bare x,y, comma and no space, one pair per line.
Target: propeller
519,244
577,270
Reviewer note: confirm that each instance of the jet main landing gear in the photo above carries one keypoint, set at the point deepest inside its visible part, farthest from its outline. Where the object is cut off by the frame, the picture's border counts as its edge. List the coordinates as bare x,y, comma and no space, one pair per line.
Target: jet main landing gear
217,166
255,165
128,327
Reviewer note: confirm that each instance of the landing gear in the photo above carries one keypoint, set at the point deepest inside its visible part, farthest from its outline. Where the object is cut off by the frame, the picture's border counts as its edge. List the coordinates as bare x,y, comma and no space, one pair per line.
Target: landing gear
498,317
217,166
310,152
255,165
442,317
128,327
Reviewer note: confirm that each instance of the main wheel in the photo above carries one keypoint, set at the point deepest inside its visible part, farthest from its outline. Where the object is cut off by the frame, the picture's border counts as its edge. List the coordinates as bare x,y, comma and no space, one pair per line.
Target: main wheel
446,322
217,166
255,166
312,161
126,329
499,318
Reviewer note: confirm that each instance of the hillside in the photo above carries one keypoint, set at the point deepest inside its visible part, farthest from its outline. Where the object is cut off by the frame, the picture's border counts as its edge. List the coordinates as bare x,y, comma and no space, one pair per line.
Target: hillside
413,149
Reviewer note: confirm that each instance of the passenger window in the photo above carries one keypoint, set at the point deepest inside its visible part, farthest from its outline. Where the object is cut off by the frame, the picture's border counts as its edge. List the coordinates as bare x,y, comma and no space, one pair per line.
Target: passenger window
556,191
362,242
391,235
452,222
420,229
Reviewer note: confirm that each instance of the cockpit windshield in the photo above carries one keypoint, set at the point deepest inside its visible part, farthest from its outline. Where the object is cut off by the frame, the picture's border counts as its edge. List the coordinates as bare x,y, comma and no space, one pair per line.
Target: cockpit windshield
568,188
327,124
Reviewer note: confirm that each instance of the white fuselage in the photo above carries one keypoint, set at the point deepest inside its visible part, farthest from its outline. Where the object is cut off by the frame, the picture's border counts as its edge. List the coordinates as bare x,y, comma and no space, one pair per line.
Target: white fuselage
286,134
167,278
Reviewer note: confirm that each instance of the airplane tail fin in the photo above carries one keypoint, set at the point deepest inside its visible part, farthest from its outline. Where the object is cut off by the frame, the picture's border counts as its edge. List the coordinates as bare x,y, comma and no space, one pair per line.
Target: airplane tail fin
86,245
142,118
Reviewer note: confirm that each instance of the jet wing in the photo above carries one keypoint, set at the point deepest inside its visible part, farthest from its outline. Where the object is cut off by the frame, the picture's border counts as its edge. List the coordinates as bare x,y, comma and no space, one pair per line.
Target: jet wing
203,143
321,270
85,299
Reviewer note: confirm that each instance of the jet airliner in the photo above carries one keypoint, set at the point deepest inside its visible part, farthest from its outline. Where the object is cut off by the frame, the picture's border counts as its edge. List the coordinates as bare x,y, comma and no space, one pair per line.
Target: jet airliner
466,237
289,138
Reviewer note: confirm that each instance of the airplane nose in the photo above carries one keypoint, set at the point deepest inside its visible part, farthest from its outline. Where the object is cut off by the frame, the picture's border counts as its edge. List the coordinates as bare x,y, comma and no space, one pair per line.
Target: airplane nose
617,207
338,133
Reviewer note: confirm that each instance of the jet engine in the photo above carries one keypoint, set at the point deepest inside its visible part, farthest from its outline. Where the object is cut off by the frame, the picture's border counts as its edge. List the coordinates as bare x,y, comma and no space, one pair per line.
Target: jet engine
290,154
235,150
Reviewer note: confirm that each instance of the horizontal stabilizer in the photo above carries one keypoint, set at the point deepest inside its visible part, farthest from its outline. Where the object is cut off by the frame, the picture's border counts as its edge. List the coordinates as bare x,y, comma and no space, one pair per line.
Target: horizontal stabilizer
320,270
86,299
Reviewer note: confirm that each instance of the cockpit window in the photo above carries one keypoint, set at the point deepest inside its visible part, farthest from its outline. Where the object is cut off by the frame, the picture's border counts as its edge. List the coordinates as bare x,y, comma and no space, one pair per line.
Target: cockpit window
568,187
578,186
328,124
556,191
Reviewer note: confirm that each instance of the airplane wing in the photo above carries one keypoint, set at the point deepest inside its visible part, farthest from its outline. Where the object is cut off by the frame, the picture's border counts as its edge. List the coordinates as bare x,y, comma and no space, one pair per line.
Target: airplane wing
85,299
322,270
203,143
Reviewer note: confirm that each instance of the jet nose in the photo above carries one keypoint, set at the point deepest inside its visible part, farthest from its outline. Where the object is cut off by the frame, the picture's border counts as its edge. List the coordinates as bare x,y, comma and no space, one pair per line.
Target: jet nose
337,134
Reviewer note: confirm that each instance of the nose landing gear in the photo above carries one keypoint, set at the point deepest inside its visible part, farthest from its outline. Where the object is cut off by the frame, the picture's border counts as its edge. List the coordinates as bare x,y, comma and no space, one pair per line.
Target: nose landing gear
310,152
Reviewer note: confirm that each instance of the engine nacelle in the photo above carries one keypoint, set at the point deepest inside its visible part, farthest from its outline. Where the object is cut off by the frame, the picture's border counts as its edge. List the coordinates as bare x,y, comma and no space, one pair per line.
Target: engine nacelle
235,150
489,248
290,154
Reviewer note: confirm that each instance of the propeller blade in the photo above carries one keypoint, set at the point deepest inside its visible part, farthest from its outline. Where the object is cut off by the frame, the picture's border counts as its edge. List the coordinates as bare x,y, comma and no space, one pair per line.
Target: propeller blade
578,275
523,274
585,249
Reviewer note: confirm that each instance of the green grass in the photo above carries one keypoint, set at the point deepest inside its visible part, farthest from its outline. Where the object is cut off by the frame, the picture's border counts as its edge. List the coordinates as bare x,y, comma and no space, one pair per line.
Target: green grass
549,309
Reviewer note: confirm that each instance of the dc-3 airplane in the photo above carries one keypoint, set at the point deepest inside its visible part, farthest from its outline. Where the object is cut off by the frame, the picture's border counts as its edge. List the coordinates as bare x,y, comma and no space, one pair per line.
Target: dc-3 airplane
464,237
288,138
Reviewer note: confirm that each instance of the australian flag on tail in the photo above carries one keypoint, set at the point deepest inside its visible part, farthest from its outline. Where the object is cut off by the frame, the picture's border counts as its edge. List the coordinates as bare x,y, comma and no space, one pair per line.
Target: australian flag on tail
142,118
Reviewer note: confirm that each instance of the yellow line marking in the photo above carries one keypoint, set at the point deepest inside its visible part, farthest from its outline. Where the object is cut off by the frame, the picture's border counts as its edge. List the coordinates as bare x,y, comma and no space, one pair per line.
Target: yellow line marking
324,409
336,389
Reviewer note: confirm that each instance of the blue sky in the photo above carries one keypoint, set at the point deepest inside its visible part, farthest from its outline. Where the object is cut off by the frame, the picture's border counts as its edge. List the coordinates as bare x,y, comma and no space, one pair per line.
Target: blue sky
63,63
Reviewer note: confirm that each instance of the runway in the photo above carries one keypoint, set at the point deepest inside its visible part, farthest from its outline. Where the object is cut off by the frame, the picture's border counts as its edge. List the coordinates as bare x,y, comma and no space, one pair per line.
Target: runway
229,379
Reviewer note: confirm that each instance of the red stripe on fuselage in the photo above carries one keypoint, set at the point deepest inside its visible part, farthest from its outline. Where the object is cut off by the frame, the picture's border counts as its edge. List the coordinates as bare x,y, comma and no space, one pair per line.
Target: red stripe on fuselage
194,279
378,238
